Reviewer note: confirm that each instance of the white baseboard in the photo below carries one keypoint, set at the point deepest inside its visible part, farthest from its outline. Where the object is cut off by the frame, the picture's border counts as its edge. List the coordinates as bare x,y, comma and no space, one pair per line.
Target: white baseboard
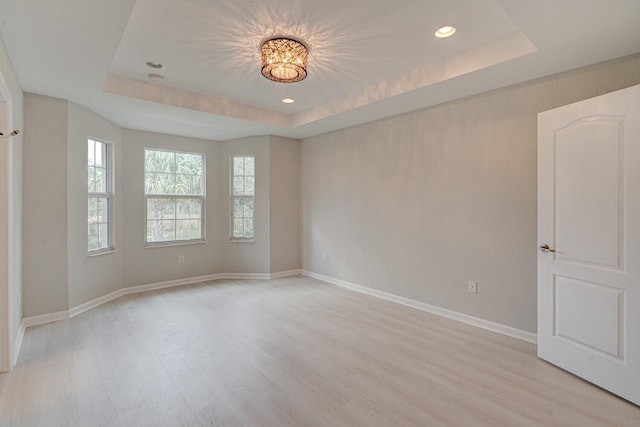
45,318
450,314
94,303
172,283
17,345
247,276
288,273
28,322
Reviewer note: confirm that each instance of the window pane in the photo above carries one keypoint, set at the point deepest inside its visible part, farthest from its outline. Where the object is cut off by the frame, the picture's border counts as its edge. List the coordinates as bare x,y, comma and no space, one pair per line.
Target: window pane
98,209
100,180
248,228
248,208
249,166
238,186
249,186
188,229
91,179
197,184
238,208
160,183
243,192
160,230
189,208
238,227
182,229
101,154
92,235
161,208
103,235
92,210
190,164
91,152
188,184
159,161
180,174
238,166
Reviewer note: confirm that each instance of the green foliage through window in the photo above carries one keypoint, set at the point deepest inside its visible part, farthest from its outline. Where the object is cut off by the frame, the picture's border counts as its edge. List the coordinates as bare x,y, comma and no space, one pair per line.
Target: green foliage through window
243,190
174,190
99,196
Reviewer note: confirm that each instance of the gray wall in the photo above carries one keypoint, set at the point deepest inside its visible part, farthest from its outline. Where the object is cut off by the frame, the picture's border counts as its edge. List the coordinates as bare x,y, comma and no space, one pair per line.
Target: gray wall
415,205
159,264
45,205
59,274
242,256
91,277
419,204
284,202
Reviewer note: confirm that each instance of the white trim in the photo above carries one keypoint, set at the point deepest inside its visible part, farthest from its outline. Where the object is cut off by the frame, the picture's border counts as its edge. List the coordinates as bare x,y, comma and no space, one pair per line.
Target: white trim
171,283
66,314
28,322
6,203
45,318
289,273
17,344
449,314
98,252
247,276
94,303
168,244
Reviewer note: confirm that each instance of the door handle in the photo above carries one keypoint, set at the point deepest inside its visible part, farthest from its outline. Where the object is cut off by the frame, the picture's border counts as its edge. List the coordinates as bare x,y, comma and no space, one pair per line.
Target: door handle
545,248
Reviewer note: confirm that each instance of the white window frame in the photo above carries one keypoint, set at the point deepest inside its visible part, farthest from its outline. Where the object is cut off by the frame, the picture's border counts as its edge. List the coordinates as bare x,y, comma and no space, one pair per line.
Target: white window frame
201,197
233,197
107,194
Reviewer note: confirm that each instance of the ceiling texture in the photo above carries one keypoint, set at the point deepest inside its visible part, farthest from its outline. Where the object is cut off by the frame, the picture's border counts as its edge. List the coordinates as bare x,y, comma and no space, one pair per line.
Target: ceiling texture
368,59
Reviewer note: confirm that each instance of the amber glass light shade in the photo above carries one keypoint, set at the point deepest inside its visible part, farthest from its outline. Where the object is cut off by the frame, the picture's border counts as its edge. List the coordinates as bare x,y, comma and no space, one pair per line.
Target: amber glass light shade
284,60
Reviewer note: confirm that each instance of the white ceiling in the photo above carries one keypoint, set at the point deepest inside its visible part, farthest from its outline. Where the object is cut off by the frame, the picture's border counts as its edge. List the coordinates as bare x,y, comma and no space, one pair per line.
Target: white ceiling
368,58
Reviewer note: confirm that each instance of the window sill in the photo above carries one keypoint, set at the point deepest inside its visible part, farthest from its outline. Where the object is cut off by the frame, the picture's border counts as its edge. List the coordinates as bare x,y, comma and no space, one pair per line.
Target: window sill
101,252
242,240
170,244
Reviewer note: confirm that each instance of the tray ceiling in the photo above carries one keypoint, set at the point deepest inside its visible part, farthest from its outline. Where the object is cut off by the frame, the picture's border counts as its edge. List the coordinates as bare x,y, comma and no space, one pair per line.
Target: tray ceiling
368,58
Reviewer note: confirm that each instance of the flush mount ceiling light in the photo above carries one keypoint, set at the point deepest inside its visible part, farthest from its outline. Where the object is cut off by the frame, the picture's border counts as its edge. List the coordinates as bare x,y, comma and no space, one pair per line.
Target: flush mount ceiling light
284,60
446,31
288,101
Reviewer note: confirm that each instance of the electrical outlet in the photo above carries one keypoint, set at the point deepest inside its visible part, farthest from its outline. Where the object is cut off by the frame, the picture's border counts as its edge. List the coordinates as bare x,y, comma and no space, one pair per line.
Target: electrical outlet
473,287
181,259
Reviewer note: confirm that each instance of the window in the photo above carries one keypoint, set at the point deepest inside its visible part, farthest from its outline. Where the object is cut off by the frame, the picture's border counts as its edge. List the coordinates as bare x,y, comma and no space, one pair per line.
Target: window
100,196
243,190
174,195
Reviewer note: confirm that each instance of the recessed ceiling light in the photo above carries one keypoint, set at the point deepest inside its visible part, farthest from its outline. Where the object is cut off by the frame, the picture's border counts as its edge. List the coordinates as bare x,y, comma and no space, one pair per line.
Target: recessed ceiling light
155,77
446,31
288,101
154,65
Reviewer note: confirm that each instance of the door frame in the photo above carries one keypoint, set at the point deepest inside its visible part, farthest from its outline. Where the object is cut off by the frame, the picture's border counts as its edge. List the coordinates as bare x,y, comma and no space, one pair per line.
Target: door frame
6,230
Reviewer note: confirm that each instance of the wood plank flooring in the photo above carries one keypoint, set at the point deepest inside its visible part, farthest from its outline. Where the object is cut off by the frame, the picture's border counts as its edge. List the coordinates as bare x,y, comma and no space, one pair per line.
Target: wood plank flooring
287,352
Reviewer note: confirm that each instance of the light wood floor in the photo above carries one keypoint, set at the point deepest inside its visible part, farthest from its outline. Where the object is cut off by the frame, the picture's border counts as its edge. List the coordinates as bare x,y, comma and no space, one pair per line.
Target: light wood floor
289,352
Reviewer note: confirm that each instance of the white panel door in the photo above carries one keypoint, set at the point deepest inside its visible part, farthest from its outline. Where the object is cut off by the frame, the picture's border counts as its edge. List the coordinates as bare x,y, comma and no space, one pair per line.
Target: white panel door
589,240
